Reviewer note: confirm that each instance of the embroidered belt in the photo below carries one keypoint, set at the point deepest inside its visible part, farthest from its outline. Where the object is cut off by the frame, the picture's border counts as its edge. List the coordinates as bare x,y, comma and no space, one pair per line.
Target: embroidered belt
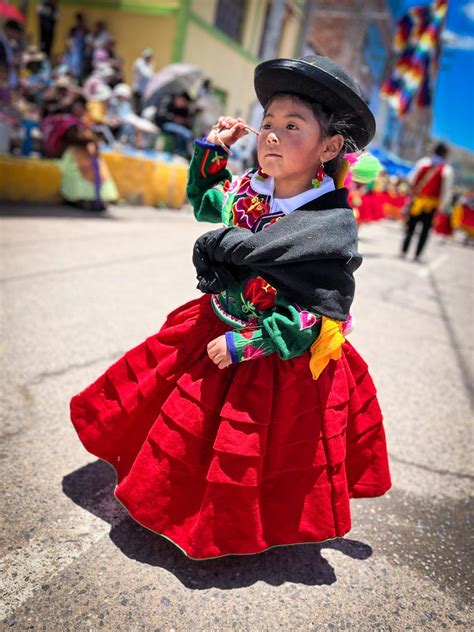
233,321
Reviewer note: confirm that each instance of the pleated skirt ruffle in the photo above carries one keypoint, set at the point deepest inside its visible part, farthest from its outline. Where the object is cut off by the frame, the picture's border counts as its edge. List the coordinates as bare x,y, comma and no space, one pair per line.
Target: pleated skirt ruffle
234,461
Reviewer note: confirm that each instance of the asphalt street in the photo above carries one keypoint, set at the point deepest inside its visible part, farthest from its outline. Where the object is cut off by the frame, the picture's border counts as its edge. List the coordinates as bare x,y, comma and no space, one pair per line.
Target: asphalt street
77,291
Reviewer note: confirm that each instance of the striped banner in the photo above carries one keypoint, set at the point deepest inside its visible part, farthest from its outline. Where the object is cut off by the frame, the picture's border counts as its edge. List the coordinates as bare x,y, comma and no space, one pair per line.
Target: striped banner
417,44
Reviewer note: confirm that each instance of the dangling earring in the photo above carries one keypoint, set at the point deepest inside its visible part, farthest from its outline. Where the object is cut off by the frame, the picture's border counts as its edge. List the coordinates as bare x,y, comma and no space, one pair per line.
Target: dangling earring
316,182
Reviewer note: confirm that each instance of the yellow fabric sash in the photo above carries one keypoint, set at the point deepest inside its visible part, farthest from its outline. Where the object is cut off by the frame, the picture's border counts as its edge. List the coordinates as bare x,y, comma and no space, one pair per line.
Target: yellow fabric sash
423,204
327,346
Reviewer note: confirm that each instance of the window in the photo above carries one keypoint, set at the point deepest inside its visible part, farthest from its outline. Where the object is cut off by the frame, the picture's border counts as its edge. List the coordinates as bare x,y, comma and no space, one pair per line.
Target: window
230,17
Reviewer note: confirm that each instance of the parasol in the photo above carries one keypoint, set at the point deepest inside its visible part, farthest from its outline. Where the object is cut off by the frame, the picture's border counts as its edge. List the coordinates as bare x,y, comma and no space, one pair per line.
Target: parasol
173,79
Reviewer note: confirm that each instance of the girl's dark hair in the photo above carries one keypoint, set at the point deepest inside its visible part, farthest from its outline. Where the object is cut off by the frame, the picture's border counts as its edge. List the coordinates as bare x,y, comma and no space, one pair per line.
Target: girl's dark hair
330,125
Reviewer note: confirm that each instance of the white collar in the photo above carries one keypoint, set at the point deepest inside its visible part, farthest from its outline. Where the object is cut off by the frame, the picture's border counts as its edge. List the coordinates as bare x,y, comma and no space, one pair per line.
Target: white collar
287,205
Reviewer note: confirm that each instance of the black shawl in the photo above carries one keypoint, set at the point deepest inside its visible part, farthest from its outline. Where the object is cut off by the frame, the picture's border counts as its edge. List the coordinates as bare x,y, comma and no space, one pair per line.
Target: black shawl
309,256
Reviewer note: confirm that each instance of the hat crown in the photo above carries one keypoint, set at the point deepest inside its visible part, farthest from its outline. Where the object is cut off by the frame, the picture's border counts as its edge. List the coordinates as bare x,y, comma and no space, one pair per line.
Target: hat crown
330,66
321,80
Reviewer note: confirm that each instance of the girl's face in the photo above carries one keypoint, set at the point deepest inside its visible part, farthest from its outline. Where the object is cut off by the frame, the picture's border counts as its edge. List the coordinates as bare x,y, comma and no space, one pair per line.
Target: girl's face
290,146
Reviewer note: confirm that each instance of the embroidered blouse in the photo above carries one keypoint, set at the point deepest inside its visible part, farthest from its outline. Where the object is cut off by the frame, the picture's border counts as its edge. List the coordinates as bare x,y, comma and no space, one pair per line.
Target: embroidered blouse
263,321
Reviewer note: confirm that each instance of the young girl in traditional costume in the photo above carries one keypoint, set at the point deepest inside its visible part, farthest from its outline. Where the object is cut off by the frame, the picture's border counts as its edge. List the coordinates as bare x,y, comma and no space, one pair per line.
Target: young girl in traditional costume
248,421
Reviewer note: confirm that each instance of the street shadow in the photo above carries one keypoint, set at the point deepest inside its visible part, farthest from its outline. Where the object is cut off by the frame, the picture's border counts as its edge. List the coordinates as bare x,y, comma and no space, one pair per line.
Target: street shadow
29,211
299,564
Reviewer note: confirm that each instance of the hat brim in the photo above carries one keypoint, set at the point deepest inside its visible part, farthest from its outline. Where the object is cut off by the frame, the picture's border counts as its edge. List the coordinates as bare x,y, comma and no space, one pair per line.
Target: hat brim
301,78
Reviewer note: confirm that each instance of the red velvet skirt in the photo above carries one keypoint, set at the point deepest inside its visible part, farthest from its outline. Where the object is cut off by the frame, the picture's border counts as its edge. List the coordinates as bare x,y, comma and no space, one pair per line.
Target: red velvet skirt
238,460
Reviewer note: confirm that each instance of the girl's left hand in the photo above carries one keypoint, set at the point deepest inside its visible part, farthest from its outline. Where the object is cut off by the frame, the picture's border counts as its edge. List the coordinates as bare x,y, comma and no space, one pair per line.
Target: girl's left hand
218,352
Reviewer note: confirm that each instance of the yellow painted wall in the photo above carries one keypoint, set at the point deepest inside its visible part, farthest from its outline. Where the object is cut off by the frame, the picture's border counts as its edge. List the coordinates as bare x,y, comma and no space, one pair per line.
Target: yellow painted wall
228,70
149,5
206,9
139,180
253,20
133,32
28,180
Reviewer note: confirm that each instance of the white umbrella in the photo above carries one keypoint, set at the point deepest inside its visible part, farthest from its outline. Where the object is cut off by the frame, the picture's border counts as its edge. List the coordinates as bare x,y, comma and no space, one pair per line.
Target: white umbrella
171,79
140,123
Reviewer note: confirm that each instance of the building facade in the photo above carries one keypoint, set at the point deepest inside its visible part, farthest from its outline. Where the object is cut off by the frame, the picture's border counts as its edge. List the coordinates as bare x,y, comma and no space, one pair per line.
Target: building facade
224,37
358,35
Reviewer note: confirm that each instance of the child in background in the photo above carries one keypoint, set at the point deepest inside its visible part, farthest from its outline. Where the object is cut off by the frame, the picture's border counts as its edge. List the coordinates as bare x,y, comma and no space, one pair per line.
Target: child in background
248,421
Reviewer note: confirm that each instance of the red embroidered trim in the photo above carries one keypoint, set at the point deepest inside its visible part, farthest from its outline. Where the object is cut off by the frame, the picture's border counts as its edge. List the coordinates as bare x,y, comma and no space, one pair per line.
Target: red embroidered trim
233,321
203,163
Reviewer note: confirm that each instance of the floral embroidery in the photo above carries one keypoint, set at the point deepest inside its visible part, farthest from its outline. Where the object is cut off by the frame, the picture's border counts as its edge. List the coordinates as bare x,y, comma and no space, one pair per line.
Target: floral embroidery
242,205
251,352
244,201
247,333
265,222
307,320
245,188
247,205
348,326
229,185
227,188
218,162
247,210
202,167
260,294
235,322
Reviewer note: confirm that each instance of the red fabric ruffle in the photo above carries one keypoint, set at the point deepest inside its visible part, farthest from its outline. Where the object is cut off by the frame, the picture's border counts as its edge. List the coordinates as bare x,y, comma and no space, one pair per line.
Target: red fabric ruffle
238,460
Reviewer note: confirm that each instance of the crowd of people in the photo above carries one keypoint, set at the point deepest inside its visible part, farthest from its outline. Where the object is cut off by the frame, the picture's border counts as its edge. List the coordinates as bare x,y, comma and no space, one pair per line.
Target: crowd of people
68,105
426,198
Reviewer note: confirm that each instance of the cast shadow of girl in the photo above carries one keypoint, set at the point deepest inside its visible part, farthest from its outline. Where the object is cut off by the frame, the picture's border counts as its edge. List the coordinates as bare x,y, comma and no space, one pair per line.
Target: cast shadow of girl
93,484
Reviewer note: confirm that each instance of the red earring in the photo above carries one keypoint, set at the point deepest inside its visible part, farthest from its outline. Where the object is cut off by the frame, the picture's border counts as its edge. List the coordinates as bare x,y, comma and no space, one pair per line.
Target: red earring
316,182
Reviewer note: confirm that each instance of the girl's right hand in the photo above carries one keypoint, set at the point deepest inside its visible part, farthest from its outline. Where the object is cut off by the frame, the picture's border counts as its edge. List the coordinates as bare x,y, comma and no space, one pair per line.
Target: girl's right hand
230,130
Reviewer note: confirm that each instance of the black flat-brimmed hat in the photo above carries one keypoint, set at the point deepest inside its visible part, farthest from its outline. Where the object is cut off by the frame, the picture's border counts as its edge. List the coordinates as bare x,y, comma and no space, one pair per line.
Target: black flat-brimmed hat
322,80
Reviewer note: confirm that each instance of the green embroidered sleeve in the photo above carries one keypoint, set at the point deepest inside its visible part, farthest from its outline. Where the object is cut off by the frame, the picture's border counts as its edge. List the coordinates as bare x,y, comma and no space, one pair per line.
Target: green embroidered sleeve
207,179
285,329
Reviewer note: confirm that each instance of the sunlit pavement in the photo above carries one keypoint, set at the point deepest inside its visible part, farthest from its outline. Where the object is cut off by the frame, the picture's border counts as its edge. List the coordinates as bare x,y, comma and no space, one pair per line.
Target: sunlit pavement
77,291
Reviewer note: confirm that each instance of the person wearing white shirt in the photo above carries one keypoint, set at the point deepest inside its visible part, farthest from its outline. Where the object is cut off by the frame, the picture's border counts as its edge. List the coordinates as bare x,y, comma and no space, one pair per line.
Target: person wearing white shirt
142,73
432,185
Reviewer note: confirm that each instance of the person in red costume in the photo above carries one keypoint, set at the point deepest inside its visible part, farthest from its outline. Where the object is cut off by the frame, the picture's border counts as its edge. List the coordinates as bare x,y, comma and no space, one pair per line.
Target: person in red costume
432,182
248,421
